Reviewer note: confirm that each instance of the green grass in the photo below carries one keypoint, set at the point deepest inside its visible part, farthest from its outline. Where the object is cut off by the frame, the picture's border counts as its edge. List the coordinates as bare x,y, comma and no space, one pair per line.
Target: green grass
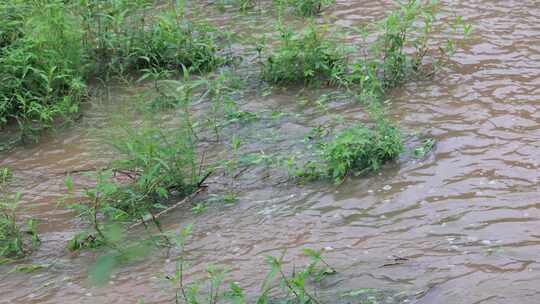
405,48
308,8
304,57
359,149
356,150
40,66
18,238
50,50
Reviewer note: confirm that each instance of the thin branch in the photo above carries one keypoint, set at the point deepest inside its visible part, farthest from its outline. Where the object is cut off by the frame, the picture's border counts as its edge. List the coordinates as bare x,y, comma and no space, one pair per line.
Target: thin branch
186,199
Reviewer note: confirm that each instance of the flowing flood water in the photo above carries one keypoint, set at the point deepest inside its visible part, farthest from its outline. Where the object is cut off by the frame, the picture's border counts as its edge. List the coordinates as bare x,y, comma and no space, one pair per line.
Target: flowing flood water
466,218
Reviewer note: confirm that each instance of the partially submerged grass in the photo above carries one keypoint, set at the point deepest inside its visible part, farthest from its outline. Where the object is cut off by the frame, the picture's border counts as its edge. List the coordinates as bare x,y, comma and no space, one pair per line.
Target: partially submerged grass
279,286
17,239
404,43
157,161
304,57
355,150
153,164
359,149
308,8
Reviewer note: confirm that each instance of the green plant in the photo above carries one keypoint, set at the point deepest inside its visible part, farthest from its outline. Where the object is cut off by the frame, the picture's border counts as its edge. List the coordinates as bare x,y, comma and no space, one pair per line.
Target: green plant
97,206
309,8
16,239
153,164
162,100
246,4
210,289
50,50
304,57
424,148
359,149
356,150
233,114
404,41
199,208
174,42
5,175
295,285
122,35
41,67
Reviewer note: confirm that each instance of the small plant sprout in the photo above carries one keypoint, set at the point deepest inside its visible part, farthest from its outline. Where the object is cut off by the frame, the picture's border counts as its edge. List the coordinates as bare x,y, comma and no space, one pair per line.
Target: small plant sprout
424,148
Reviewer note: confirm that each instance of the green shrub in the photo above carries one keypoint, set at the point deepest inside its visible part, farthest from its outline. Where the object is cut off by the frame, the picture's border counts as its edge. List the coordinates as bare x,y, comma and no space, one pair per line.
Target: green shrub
305,57
356,150
359,149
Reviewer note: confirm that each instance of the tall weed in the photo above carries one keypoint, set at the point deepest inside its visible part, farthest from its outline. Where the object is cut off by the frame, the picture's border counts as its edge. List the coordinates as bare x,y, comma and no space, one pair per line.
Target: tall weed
405,41
17,238
304,57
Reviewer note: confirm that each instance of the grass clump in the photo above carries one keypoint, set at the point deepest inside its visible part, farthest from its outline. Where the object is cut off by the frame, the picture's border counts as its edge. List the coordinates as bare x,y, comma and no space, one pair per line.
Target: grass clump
16,239
122,36
356,150
359,149
154,163
304,57
308,8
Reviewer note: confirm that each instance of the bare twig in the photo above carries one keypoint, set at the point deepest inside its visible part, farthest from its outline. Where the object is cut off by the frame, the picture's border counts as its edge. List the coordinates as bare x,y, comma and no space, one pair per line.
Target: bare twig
186,199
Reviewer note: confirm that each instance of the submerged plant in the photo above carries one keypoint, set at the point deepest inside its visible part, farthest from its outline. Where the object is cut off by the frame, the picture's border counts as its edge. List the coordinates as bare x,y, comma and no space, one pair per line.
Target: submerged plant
153,164
356,150
405,40
424,148
16,239
309,8
304,57
211,289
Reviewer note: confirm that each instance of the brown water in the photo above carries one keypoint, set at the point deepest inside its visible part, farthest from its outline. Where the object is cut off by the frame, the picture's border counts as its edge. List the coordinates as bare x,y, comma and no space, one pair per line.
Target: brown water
467,217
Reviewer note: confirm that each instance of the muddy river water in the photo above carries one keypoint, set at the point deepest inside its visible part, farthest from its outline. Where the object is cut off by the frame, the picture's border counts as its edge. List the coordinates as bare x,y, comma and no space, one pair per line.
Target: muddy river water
466,218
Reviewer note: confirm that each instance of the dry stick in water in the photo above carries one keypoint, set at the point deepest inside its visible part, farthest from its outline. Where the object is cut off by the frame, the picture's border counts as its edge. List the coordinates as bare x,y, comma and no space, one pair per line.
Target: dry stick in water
186,199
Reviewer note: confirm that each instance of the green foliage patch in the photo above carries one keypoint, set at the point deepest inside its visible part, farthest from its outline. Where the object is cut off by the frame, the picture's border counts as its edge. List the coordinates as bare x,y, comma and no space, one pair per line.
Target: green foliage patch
51,49
304,57
17,238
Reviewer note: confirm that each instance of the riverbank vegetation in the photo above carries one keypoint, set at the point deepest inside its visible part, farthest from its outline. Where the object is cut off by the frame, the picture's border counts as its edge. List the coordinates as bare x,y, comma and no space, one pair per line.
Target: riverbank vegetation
51,50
